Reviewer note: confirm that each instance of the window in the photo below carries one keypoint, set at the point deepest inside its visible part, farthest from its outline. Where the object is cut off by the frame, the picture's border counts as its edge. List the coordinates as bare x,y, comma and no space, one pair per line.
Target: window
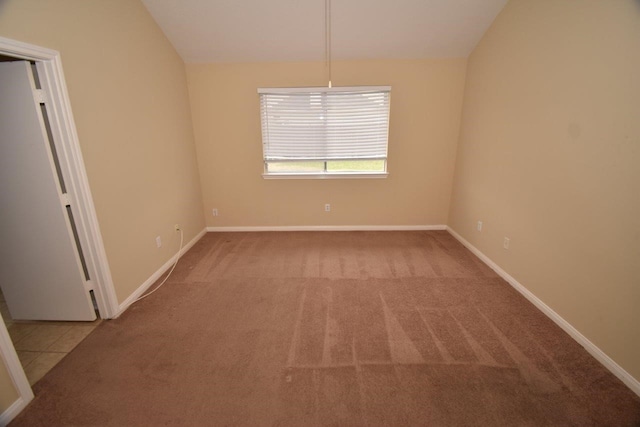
325,132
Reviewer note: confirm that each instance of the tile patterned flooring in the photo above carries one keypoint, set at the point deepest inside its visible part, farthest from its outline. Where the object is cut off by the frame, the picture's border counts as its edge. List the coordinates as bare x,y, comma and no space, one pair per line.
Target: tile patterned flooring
41,345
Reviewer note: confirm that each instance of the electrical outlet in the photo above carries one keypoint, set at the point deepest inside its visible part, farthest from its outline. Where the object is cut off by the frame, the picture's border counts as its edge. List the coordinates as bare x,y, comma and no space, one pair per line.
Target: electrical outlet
506,242
479,226
327,207
177,227
214,211
158,241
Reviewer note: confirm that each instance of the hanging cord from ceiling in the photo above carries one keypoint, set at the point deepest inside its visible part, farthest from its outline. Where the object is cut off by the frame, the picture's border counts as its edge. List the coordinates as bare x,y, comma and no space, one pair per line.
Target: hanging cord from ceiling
327,37
172,268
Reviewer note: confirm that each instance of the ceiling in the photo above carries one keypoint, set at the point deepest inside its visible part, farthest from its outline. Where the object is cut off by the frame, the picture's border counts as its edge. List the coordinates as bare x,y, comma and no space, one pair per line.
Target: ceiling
294,30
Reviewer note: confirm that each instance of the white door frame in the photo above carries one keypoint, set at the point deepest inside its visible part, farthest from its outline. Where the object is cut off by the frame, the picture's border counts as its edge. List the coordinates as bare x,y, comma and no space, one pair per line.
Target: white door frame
65,136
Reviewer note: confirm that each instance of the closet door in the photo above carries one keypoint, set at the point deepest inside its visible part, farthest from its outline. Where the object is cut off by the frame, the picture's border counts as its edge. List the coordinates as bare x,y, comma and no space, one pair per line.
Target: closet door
42,274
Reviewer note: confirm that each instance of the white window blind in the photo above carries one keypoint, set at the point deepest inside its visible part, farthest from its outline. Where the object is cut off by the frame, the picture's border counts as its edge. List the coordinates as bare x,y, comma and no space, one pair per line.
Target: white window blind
324,124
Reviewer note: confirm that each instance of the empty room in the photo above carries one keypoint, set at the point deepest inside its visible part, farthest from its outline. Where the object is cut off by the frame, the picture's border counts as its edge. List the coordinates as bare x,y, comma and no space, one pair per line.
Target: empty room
320,213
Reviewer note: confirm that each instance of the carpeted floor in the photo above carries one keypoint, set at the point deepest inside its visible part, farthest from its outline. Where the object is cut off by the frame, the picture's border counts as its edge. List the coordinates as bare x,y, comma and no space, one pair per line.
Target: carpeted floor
331,329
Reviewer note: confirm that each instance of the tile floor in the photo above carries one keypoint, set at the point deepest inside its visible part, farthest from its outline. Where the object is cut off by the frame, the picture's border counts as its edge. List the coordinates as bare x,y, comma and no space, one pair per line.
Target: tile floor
41,345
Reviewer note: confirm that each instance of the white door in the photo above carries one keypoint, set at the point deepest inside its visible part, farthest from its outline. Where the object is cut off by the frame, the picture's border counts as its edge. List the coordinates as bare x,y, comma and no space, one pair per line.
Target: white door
41,266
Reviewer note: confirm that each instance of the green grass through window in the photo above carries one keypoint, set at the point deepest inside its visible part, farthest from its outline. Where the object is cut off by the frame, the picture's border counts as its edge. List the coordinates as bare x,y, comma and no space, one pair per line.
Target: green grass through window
332,166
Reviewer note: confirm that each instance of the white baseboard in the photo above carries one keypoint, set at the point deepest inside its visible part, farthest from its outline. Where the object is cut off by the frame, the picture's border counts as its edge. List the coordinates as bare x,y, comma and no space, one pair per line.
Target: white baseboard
155,276
12,411
600,355
331,228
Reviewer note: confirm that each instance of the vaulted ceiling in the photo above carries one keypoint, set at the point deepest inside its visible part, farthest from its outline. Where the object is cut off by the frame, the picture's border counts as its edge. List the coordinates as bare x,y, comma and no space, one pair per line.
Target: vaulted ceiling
294,30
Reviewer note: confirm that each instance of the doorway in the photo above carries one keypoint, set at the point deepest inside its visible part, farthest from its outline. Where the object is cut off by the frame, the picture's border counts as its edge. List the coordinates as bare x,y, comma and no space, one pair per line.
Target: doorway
42,268
71,167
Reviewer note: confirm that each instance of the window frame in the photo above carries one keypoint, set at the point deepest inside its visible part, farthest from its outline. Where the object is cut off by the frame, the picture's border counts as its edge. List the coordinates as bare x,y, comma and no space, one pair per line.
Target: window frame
325,173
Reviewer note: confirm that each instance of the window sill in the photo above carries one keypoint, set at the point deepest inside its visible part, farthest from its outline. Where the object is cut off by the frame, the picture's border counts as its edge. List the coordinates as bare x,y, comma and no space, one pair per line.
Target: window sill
344,175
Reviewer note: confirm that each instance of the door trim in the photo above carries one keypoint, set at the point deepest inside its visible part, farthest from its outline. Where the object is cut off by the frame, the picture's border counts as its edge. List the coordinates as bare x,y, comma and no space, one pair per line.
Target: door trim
66,138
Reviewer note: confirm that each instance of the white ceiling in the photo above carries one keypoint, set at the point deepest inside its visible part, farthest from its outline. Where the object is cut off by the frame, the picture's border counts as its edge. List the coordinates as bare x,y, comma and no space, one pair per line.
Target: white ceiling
293,30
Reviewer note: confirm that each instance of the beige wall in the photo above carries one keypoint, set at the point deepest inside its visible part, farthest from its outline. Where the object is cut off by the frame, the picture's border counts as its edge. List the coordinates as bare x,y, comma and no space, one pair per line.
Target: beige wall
549,156
425,112
130,102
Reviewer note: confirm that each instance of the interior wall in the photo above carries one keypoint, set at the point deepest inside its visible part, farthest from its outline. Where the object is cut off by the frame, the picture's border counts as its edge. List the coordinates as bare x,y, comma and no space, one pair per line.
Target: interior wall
548,156
129,97
426,99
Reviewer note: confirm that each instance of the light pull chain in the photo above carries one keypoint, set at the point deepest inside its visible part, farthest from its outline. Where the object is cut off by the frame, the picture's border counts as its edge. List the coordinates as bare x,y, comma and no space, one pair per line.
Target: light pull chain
327,36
